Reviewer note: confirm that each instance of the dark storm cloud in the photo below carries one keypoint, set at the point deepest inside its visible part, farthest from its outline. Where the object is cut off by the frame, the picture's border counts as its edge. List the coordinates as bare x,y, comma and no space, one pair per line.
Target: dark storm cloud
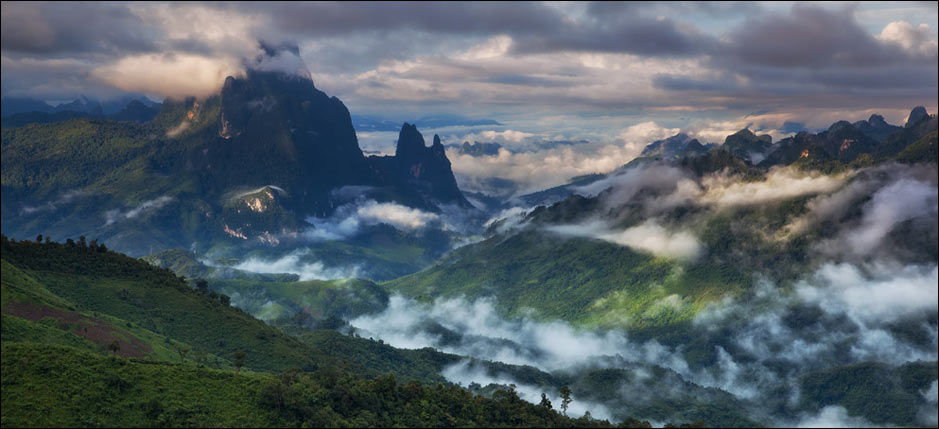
524,80
331,19
59,28
811,51
604,9
425,53
629,34
807,36
536,27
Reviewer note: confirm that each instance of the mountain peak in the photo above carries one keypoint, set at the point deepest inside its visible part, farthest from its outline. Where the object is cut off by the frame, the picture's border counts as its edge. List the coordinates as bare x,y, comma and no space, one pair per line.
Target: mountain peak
410,143
916,115
747,145
877,120
437,147
669,147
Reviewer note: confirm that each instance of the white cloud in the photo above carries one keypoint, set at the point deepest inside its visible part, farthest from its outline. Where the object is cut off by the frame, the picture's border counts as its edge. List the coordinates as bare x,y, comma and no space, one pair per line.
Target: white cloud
116,215
541,169
465,372
636,137
286,62
501,136
917,40
292,263
496,46
53,205
884,294
400,216
780,183
929,414
350,218
894,203
648,236
671,186
511,218
833,416
169,75
179,129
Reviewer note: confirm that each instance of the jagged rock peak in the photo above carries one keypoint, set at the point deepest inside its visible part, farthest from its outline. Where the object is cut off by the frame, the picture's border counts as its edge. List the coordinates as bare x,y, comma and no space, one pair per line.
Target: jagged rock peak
837,126
410,142
877,120
437,147
916,115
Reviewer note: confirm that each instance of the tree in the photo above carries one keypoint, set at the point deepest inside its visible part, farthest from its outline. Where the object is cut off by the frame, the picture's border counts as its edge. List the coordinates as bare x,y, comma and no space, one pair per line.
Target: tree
114,347
202,286
565,399
239,360
182,352
545,402
39,238
82,242
202,356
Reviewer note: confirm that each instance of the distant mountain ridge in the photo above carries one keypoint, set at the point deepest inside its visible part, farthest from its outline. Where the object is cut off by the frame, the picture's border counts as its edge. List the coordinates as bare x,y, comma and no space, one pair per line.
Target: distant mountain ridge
843,142
372,123
22,111
83,104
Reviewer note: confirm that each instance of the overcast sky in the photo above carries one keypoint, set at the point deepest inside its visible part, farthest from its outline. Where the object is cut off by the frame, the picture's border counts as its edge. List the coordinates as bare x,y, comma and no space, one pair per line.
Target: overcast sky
588,70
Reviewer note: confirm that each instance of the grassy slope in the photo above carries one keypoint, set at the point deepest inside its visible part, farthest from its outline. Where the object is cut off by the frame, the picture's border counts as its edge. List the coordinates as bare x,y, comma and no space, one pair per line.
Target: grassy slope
53,377
132,291
63,323
925,149
47,385
320,299
585,281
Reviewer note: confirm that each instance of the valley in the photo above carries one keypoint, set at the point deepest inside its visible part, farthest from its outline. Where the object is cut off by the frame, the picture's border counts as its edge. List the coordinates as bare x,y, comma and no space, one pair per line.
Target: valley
537,215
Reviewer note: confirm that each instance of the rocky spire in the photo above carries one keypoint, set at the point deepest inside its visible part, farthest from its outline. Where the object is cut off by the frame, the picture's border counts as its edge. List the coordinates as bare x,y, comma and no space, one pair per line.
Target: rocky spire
410,144
918,113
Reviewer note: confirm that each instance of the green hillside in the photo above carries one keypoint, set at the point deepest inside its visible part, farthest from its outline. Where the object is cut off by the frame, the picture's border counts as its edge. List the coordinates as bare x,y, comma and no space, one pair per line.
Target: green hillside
104,282
91,337
314,299
580,280
47,385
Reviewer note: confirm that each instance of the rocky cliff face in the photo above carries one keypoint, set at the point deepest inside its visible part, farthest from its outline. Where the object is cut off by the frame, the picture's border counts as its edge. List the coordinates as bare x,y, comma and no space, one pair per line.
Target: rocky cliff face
669,148
426,169
277,128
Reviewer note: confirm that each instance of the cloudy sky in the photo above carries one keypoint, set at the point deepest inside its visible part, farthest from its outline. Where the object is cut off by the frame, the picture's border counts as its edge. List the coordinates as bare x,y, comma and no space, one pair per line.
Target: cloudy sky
623,72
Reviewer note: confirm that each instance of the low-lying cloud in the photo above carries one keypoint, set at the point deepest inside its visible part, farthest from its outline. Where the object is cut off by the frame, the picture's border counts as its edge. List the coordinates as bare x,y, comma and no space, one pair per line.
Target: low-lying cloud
531,166
781,183
760,355
465,373
895,203
876,295
349,219
295,263
648,236
53,205
116,215
832,416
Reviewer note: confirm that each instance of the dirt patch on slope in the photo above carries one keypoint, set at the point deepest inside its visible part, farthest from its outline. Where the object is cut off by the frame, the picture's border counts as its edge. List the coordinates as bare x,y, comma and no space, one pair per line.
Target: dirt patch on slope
92,329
